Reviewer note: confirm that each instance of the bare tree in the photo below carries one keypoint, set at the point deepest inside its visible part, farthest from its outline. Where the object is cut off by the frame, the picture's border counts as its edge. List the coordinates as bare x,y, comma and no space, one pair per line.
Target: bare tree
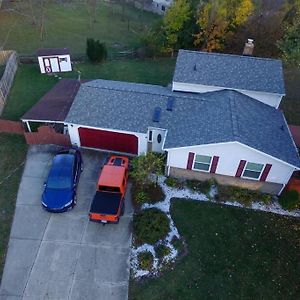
42,24
91,6
32,12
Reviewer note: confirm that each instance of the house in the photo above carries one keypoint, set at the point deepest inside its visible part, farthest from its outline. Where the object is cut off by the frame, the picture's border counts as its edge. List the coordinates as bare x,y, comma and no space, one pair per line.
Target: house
258,78
54,60
223,134
161,6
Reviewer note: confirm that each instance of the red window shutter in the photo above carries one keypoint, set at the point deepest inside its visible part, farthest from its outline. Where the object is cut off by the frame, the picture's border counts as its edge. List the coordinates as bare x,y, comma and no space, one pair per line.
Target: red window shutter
214,164
240,168
189,165
265,172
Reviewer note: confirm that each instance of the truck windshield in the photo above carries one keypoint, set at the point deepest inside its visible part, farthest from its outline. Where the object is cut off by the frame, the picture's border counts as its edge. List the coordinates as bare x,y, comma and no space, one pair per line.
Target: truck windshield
109,189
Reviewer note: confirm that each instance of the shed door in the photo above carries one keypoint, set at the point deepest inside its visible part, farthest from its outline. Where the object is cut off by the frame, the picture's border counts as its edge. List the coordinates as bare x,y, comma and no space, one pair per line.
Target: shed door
107,140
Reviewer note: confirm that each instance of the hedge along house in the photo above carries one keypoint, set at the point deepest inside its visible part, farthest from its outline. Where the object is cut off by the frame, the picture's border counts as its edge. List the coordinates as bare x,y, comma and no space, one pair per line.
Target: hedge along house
54,60
225,134
258,78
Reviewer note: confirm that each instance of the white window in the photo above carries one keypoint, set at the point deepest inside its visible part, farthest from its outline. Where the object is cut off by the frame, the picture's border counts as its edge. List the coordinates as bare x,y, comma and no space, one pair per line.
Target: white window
253,170
202,162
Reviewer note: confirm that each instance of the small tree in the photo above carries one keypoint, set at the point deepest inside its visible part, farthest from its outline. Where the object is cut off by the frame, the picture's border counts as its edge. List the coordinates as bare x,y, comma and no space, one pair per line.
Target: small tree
289,45
145,165
96,51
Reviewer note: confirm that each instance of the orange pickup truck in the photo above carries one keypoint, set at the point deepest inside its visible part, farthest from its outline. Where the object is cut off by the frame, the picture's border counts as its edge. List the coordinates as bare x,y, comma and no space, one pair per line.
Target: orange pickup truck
108,203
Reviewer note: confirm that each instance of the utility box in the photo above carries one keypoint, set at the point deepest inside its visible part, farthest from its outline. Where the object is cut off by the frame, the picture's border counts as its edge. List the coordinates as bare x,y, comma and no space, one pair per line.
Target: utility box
54,60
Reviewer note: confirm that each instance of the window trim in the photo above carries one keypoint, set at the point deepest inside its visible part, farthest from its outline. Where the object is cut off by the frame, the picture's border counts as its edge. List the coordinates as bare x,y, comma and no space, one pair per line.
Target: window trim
251,178
194,160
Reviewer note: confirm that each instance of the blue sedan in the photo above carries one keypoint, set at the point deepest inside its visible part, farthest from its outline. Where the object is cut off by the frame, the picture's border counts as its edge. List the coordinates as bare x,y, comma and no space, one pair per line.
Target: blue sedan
60,188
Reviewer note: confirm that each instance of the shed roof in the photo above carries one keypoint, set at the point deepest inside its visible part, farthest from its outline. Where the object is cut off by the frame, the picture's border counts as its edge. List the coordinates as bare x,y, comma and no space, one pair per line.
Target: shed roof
52,51
55,104
230,71
196,119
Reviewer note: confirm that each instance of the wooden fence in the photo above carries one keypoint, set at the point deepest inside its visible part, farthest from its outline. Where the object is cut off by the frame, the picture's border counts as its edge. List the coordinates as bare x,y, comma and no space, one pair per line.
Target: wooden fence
11,126
47,135
10,60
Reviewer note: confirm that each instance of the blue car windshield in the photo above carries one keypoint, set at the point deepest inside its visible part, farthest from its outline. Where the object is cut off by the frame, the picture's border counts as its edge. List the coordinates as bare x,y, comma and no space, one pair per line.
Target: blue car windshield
59,182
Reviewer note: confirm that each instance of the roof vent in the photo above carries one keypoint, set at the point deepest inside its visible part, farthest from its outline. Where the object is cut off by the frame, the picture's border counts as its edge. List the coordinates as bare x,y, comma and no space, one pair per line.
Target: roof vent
282,127
195,67
170,103
249,47
156,114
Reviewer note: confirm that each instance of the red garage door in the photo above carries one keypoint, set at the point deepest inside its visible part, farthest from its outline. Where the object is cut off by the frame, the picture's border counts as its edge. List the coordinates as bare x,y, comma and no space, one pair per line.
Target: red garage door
108,140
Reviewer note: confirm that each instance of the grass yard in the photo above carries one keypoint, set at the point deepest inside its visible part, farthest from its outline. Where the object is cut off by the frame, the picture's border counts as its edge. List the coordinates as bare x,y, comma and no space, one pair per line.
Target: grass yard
12,152
69,25
232,254
29,85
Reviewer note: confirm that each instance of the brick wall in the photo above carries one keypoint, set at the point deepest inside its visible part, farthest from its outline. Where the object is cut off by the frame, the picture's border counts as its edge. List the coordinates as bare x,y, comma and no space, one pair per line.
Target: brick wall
11,127
265,187
47,135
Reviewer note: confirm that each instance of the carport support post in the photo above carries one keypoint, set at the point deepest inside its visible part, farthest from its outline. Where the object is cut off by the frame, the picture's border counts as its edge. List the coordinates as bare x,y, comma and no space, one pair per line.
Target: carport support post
28,126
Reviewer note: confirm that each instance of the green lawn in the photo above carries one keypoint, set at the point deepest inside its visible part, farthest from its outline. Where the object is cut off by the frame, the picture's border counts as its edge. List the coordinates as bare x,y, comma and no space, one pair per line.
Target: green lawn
29,85
68,25
12,152
232,254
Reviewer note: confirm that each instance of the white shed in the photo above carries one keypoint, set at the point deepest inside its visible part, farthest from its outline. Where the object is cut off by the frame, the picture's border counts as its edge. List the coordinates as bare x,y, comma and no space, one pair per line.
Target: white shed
54,60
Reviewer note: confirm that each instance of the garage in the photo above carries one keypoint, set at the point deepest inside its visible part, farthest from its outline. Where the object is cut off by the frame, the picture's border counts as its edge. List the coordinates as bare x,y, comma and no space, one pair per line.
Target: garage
108,140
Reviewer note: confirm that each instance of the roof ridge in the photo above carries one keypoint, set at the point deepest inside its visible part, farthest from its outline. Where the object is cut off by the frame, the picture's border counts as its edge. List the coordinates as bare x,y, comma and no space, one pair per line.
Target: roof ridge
168,93
231,55
234,115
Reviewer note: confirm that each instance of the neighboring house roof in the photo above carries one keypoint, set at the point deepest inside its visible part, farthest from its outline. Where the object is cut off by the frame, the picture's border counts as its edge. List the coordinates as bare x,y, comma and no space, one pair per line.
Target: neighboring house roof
55,104
196,119
52,51
230,71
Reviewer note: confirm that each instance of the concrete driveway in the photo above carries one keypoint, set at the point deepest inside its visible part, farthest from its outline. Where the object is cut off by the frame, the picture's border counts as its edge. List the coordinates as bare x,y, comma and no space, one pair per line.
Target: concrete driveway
64,256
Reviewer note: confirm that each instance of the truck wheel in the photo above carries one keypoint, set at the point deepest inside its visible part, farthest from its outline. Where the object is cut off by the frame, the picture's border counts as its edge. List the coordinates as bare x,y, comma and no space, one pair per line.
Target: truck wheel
123,209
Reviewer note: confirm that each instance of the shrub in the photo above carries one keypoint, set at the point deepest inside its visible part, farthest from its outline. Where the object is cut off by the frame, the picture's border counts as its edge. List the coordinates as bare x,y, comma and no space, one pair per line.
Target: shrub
96,51
150,226
289,200
154,193
145,260
172,182
200,186
243,196
149,193
145,165
162,250
141,197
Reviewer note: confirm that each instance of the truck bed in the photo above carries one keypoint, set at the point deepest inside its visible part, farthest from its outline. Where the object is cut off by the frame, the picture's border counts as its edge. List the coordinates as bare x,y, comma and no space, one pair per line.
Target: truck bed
106,203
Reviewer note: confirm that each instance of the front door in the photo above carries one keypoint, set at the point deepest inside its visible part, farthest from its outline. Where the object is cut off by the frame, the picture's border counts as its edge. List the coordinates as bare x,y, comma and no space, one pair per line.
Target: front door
156,139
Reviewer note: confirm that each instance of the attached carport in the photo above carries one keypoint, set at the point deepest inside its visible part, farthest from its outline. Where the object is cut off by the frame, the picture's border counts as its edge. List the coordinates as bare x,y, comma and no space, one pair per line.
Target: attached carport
108,140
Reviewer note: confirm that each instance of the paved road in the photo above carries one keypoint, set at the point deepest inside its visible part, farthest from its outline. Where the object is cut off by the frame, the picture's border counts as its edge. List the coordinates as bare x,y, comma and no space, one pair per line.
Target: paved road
64,256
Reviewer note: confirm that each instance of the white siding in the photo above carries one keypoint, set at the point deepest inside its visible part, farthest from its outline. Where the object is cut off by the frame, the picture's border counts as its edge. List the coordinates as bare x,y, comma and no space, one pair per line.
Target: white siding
65,66
75,140
42,68
267,98
230,156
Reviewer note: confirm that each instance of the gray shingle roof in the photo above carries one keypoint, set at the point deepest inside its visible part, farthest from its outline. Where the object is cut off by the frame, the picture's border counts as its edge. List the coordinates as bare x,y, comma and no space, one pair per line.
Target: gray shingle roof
196,119
230,71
